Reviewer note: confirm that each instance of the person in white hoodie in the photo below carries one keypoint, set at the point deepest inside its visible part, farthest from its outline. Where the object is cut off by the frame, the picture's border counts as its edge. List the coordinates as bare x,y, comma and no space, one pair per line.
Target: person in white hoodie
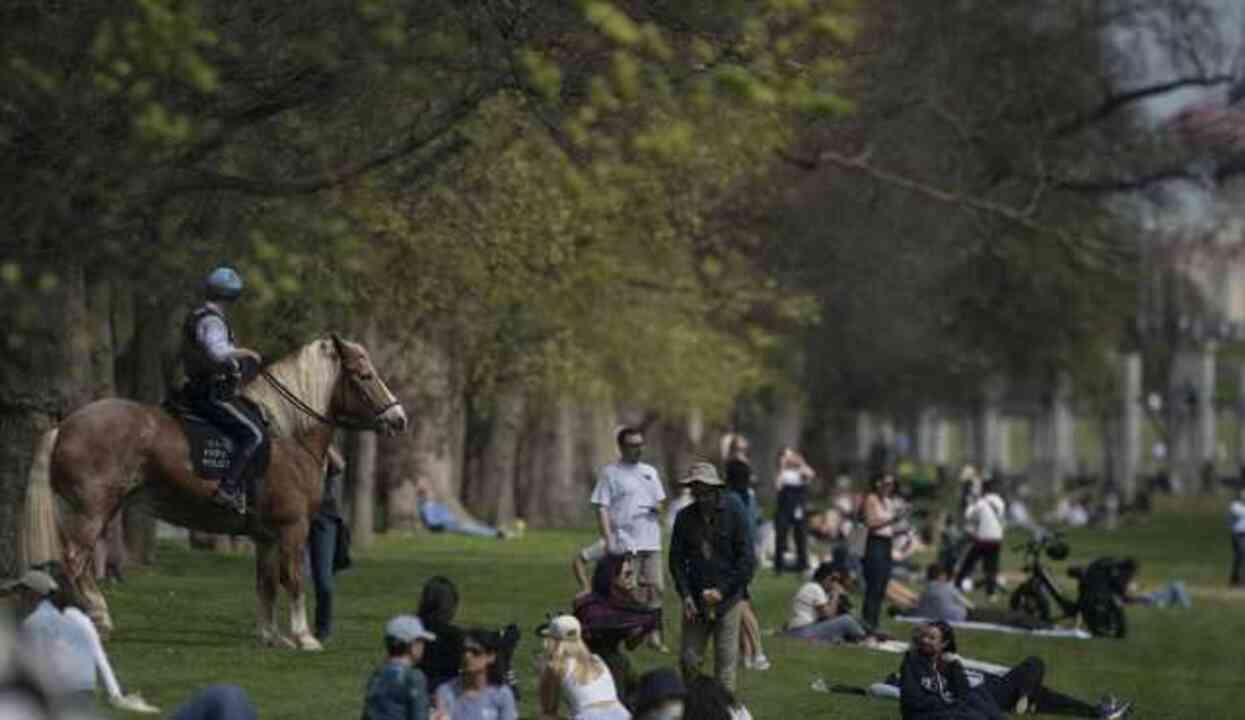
984,521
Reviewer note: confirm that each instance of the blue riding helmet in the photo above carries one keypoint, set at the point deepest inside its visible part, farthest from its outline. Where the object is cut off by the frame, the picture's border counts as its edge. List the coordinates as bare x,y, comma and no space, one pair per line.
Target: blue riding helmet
223,283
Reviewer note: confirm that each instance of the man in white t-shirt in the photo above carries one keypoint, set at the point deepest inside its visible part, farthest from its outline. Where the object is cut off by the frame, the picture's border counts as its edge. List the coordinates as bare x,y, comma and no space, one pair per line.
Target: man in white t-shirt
629,498
818,611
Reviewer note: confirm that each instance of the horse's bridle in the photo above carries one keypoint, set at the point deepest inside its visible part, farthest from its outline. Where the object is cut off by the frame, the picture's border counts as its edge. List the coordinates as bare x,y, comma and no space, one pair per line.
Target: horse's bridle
346,423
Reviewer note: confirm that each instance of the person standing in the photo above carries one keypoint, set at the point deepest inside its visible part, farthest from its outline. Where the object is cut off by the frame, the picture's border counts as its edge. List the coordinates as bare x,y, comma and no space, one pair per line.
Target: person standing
1236,513
215,371
629,498
984,520
712,562
880,517
327,527
737,473
791,482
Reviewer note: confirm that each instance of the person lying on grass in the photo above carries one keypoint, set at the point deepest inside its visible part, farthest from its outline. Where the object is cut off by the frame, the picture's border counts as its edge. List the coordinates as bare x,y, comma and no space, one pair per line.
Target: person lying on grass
933,685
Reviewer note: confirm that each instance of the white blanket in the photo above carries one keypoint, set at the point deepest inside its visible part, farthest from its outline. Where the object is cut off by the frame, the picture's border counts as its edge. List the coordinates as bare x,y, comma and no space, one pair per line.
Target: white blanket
1077,633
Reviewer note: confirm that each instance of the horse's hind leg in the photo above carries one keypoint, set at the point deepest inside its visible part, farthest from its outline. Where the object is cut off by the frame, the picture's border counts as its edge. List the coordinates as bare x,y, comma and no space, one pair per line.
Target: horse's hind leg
80,536
293,549
267,573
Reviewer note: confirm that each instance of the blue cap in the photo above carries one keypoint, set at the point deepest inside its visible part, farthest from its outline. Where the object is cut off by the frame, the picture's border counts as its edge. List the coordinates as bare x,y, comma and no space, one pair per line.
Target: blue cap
223,283
407,628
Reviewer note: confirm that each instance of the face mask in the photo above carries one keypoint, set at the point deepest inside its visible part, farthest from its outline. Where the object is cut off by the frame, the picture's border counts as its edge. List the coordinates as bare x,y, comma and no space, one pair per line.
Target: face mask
669,711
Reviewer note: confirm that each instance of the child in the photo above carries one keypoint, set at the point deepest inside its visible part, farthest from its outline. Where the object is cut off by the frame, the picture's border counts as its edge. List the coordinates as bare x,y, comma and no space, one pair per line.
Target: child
398,690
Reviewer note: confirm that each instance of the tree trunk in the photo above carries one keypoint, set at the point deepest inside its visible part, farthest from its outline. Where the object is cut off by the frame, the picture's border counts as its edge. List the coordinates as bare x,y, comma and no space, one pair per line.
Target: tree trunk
361,471
551,494
146,359
43,375
492,493
424,376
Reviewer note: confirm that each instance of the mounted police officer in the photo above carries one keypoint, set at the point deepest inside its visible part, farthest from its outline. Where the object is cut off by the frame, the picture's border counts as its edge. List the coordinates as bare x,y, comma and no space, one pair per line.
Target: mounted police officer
215,368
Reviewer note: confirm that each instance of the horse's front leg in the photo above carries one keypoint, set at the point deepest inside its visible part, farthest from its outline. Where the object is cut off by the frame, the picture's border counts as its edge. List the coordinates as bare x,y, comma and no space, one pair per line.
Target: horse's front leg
267,575
293,551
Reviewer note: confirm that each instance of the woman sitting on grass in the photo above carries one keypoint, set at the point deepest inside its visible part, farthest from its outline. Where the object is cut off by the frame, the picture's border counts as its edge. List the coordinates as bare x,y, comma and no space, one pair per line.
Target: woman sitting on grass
820,609
438,604
480,691
571,671
613,621
933,685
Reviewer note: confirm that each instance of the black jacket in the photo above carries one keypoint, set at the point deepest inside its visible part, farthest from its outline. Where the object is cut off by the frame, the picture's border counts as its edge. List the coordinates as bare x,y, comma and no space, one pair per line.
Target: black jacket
926,693
706,555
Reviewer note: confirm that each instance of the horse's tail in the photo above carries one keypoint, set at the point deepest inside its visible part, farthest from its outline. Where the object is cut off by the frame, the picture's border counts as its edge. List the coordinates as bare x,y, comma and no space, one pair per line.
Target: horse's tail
39,539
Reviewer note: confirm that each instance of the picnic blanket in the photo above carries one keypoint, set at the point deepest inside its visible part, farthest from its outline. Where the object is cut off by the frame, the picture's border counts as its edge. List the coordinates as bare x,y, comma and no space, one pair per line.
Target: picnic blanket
1076,633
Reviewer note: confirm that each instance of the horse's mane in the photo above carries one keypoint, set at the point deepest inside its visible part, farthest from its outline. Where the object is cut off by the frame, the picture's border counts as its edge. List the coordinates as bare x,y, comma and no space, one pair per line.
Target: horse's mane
310,373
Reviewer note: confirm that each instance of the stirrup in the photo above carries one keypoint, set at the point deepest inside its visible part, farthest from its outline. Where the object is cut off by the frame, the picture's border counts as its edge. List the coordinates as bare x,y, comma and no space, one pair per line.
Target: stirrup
233,501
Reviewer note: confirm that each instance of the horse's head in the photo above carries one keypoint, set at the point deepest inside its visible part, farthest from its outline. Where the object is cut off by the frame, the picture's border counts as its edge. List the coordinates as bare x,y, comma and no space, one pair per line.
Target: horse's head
360,391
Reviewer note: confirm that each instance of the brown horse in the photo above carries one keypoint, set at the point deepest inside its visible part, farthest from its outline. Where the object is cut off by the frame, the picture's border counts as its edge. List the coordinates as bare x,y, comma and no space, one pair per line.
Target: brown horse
115,452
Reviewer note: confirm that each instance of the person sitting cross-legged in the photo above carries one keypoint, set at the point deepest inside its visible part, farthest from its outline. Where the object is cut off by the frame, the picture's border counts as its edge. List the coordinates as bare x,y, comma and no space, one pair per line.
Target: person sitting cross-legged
819,610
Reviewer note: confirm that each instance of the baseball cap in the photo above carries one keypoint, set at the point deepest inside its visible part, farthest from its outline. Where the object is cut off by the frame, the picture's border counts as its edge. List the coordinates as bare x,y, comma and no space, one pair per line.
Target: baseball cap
36,580
407,628
562,627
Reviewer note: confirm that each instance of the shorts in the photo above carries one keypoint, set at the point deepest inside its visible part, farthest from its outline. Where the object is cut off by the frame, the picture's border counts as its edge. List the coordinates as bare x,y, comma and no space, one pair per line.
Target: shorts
593,553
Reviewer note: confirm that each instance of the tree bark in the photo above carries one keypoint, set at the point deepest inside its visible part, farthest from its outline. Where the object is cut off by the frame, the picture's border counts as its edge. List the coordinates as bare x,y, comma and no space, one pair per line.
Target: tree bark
147,361
44,371
361,471
491,494
550,493
424,376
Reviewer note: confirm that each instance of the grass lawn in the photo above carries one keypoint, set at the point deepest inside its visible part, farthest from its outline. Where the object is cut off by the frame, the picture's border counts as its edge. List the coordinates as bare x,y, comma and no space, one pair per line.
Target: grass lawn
190,622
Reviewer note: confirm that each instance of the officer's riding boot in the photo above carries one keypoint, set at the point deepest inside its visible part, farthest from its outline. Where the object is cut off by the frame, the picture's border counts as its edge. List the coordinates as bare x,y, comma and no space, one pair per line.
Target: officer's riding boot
229,492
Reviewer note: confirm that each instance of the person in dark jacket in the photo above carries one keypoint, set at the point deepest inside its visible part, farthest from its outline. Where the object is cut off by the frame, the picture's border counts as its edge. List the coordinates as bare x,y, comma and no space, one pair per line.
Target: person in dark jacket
933,685
712,562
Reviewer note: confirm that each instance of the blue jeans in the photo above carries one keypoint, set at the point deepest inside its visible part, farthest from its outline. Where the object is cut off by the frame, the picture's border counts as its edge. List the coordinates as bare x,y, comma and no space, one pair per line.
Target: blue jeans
321,546
217,702
467,527
835,629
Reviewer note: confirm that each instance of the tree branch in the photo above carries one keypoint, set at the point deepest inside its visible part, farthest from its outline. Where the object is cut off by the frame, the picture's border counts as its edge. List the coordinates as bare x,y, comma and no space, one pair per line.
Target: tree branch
208,181
1119,100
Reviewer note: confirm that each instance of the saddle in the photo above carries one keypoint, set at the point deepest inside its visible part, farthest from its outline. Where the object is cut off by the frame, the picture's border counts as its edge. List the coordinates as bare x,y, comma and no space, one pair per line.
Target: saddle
212,451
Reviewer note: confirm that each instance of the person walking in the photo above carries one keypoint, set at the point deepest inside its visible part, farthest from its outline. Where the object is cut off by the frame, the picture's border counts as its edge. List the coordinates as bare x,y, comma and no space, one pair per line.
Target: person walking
738,476
712,562
880,517
629,498
984,520
791,482
1236,520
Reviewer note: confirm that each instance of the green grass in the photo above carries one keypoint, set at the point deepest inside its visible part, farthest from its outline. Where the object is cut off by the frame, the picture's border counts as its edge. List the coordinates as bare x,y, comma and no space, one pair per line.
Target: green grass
190,622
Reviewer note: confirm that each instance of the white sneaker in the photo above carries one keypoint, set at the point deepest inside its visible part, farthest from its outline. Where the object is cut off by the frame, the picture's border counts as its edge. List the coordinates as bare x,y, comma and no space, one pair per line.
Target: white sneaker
760,662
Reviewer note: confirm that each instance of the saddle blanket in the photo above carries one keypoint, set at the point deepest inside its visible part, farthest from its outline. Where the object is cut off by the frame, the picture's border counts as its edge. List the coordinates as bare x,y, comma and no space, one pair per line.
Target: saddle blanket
212,451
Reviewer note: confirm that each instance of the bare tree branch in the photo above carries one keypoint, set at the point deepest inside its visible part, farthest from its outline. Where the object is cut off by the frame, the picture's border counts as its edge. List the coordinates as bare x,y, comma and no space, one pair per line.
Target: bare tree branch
1119,100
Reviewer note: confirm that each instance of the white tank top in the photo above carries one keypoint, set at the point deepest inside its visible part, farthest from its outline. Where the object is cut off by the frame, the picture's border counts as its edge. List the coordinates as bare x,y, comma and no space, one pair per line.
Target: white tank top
595,691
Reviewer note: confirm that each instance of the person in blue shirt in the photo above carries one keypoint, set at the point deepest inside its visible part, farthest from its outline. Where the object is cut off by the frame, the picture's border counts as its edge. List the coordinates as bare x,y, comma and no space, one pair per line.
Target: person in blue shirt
398,690
438,517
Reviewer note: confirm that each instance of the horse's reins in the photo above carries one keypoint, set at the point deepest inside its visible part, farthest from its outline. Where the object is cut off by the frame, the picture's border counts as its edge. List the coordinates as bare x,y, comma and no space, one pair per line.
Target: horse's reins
302,406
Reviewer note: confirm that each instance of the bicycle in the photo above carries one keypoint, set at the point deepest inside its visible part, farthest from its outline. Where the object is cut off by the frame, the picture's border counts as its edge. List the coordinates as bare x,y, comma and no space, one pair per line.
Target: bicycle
1095,601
